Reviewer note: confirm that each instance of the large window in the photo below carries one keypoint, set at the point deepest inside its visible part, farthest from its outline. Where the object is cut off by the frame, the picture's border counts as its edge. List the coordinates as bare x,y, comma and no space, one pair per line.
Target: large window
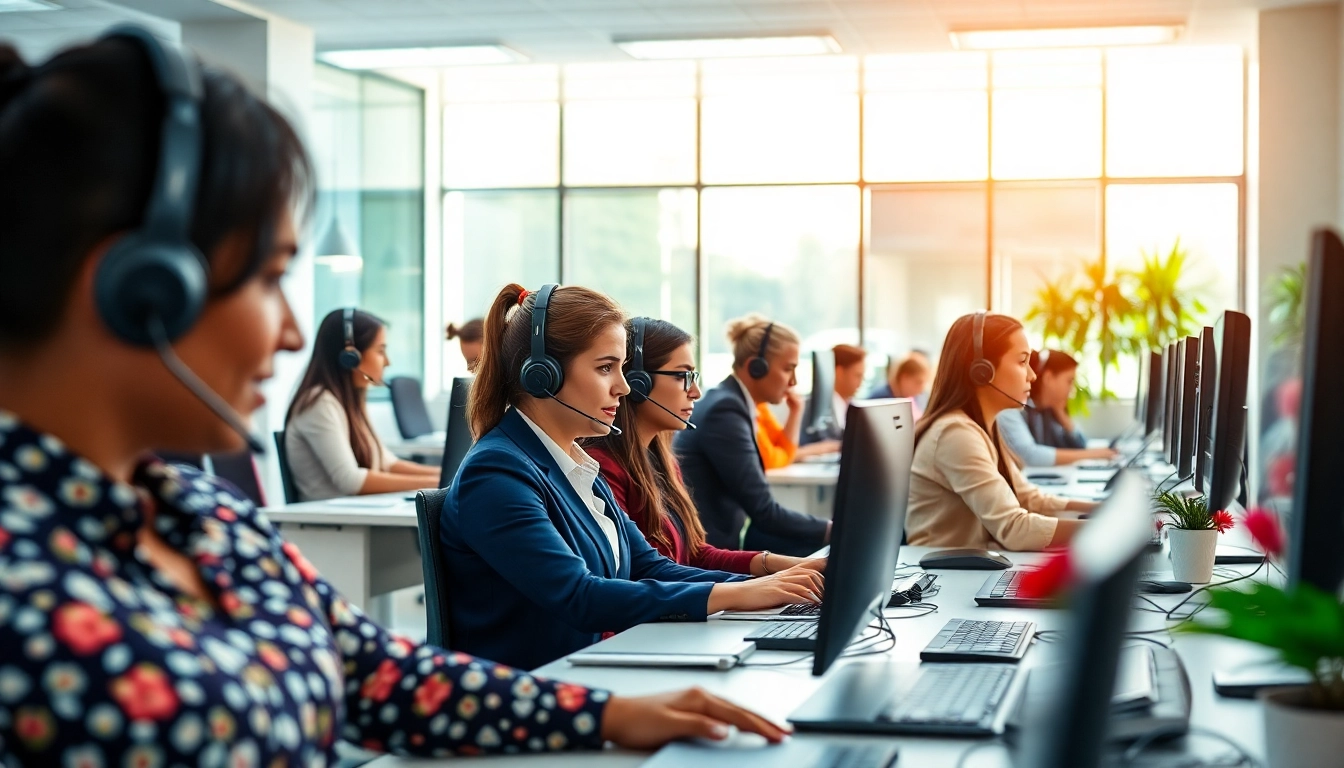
868,200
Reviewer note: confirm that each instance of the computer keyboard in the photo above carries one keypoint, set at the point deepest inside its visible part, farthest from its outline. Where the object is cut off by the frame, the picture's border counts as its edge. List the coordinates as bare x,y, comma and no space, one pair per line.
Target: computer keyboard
856,756
973,640
908,589
1007,584
802,609
952,697
785,636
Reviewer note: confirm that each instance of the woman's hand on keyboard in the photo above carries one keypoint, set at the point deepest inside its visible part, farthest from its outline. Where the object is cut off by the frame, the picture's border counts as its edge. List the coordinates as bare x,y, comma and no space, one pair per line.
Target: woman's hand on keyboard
649,722
796,585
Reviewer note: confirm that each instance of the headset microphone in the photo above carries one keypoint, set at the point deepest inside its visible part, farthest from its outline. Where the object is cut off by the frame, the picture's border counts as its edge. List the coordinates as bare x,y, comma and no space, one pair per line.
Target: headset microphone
688,424
372,380
159,337
1022,403
611,428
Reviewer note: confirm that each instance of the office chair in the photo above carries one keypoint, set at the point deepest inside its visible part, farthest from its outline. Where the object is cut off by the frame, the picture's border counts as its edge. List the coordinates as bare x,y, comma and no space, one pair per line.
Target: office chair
194,460
428,508
408,405
241,470
286,477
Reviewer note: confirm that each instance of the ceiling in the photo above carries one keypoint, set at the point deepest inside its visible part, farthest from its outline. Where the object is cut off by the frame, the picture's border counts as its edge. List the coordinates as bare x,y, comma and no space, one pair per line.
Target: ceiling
573,30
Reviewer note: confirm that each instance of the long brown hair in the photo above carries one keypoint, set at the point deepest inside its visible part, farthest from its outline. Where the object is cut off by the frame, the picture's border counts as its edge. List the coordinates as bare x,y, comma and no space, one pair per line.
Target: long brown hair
952,386
1049,361
325,374
575,318
656,482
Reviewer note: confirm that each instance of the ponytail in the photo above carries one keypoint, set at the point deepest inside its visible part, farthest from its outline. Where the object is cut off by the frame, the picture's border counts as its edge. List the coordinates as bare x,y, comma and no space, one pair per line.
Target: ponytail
495,387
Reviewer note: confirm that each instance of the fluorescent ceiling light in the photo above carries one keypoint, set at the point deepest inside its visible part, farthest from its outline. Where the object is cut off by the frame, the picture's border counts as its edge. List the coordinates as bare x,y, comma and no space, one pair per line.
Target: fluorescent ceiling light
1065,37
730,47
443,56
12,6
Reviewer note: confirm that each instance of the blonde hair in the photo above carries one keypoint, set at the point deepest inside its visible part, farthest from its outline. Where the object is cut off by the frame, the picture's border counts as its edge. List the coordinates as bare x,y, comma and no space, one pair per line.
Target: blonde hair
746,333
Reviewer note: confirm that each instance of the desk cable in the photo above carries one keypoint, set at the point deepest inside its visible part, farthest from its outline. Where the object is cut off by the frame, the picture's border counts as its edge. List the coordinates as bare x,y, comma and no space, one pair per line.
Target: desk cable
1243,757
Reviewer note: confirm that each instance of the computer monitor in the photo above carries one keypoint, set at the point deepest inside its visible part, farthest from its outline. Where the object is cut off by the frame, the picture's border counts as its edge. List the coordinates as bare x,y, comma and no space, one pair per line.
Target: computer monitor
1065,726
1316,526
1170,393
1141,391
1184,460
458,440
1226,440
820,402
1172,434
870,499
1208,384
1157,377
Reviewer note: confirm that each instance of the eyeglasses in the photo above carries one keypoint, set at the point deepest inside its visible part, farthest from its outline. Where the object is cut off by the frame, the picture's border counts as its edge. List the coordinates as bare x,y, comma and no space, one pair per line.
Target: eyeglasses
688,378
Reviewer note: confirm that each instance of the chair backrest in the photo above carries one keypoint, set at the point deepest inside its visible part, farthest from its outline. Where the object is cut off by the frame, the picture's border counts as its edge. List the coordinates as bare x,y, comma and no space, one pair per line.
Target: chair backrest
241,470
428,508
286,477
408,405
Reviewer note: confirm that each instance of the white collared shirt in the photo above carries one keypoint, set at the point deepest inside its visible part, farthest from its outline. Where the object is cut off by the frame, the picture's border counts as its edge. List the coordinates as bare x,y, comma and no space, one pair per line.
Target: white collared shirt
839,409
582,477
751,401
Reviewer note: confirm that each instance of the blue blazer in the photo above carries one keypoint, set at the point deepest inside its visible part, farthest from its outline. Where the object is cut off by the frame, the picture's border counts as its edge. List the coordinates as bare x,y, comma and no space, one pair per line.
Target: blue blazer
532,577
722,466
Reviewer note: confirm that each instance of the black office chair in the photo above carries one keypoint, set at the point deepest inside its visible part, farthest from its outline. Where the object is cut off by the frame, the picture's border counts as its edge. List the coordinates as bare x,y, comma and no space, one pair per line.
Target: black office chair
286,477
408,405
241,470
428,508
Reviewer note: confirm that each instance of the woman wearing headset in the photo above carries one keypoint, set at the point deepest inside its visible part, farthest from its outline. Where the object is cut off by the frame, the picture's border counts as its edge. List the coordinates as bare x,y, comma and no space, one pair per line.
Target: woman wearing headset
543,559
151,615
329,441
964,490
638,463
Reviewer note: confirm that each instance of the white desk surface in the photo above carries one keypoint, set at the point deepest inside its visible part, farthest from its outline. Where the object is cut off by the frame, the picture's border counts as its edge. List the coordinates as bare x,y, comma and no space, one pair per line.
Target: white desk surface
384,510
777,691
819,474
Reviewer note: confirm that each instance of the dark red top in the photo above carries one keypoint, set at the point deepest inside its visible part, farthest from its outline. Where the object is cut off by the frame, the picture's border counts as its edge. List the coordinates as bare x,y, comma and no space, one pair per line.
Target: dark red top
632,501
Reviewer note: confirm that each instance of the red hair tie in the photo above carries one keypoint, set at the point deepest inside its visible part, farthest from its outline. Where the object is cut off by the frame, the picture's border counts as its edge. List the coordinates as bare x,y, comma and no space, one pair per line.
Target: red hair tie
522,295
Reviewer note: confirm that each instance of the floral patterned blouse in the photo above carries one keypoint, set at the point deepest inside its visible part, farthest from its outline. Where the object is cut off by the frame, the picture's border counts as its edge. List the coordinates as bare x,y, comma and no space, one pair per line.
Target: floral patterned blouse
104,662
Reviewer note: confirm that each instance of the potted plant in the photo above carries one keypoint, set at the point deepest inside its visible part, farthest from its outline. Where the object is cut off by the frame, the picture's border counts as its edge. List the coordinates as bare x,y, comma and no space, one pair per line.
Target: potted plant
1192,534
1304,726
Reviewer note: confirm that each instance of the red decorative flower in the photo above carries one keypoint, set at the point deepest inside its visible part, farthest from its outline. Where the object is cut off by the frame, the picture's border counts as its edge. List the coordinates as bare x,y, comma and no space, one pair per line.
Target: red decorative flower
35,727
145,693
306,569
570,697
1281,475
1048,580
226,514
4,538
1265,531
1161,524
431,695
230,602
272,656
1222,520
82,629
299,617
378,686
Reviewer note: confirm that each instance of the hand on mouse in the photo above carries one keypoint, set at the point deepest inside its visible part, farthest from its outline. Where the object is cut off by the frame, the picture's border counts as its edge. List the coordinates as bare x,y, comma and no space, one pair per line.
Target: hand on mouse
649,722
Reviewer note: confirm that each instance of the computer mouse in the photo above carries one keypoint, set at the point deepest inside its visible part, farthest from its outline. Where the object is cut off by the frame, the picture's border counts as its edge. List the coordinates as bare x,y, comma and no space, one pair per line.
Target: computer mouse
1045,477
965,559
1163,587
736,739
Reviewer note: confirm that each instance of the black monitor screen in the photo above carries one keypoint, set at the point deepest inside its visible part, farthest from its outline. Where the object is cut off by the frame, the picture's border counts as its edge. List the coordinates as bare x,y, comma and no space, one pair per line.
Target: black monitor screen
1208,385
1232,347
458,439
1185,425
1170,396
1153,393
820,402
870,499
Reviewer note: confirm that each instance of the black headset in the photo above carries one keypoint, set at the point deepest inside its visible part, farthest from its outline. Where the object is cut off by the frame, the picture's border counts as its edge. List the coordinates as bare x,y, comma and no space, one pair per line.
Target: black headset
350,357
152,281
982,371
758,366
541,375
639,380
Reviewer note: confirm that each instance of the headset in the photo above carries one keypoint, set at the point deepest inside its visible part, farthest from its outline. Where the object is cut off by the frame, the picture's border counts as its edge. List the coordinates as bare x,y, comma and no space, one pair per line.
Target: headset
349,358
758,366
639,380
982,371
541,375
151,284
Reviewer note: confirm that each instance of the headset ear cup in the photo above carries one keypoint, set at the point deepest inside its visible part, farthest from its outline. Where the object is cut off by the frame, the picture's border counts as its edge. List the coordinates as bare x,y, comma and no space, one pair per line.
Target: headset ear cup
982,373
138,279
641,385
350,358
758,367
542,378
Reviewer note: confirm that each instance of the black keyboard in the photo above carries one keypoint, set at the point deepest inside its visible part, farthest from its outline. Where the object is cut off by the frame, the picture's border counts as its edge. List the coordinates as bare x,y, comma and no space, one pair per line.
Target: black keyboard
973,640
1007,584
953,697
802,609
856,756
785,636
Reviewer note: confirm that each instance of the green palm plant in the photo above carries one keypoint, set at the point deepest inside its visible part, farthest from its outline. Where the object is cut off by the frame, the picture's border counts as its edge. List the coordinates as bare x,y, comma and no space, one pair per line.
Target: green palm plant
1167,308
1110,313
1288,305
1055,311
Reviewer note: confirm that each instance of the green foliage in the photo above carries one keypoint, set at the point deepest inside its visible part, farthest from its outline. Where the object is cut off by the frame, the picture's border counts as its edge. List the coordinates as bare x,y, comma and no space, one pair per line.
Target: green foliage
1168,310
1305,625
1288,305
1188,514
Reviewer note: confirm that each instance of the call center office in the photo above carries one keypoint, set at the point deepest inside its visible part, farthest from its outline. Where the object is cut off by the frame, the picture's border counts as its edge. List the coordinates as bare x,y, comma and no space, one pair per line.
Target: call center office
842,201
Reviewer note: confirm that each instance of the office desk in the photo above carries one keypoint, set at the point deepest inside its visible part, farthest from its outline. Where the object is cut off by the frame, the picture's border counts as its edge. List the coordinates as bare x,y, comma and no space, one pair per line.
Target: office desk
777,691
806,487
363,545
426,449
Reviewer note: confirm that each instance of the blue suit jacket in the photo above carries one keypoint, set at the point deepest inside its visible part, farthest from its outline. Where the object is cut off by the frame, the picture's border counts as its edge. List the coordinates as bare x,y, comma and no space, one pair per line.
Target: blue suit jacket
532,577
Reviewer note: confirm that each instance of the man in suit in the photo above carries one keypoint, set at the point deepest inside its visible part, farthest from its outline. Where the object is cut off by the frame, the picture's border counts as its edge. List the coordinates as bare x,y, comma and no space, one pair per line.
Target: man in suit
720,461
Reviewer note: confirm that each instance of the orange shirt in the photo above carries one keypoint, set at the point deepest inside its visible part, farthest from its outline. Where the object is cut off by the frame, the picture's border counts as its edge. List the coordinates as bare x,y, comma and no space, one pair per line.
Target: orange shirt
777,450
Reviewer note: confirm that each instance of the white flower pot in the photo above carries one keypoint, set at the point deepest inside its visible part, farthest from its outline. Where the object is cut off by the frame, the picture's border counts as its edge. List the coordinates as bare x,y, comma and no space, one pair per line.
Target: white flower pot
1192,554
1298,736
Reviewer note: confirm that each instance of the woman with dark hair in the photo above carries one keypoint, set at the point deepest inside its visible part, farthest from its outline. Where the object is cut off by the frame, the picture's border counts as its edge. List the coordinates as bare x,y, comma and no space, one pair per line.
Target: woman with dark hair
468,336
638,463
154,616
1044,435
329,440
964,490
543,559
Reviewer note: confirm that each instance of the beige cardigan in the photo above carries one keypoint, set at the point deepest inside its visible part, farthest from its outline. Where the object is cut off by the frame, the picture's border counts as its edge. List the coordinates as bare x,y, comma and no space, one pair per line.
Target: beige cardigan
959,499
